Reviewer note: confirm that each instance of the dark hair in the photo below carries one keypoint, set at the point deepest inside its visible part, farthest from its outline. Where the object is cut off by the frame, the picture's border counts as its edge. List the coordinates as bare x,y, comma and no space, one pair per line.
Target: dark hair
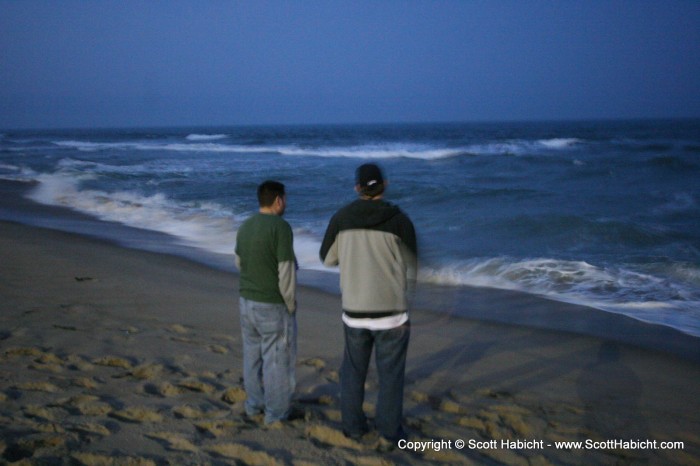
268,191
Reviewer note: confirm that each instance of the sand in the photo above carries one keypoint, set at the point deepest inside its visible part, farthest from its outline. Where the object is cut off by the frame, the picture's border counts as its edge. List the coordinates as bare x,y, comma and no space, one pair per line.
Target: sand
112,356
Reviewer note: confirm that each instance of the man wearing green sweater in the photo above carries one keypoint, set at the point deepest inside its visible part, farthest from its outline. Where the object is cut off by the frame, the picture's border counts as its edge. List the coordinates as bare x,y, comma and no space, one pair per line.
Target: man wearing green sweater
267,265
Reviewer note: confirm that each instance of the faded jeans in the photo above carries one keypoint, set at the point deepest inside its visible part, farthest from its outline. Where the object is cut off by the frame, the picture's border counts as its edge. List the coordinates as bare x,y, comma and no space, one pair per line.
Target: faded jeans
269,356
391,346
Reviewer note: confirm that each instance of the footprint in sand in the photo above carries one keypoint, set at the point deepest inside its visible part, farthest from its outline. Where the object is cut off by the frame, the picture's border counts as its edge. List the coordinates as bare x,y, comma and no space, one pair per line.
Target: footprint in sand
147,371
54,368
165,389
78,363
37,387
47,362
197,386
318,363
420,397
113,361
218,349
92,459
451,407
234,395
85,382
24,351
331,437
173,441
41,413
87,405
188,412
244,454
137,415
218,428
90,428
177,328
32,445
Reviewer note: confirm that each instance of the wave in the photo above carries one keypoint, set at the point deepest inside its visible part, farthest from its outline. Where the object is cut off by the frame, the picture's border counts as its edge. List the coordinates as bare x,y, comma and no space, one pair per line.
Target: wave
376,151
523,146
15,173
204,225
384,150
212,227
4,166
559,143
206,137
642,296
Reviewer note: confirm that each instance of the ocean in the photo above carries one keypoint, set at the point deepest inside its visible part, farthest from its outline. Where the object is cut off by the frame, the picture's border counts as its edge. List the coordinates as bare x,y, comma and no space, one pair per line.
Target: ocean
600,213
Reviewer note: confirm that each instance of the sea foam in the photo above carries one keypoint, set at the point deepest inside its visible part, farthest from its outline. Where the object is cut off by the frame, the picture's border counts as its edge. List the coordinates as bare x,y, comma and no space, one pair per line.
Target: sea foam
641,296
205,225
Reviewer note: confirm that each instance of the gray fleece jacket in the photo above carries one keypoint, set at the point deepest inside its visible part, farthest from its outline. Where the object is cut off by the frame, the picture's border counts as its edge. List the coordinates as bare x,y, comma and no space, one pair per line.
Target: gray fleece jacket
374,243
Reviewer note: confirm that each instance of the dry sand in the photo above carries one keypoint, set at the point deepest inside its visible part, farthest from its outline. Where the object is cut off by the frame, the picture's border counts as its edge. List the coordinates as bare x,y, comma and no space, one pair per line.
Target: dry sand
110,356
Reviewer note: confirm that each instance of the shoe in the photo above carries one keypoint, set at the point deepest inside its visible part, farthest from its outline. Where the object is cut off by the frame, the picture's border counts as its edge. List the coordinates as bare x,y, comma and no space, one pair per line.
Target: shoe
258,418
296,413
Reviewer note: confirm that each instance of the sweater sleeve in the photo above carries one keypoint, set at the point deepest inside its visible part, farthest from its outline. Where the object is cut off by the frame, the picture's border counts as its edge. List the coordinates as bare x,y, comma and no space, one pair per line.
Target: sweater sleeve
287,283
287,267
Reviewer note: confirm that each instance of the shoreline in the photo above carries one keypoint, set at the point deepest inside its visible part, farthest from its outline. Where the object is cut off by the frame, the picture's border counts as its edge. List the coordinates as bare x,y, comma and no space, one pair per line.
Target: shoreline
494,305
114,352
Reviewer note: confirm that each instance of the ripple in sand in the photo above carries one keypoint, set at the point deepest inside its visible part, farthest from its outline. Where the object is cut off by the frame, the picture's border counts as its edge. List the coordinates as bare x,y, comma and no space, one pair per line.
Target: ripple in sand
113,361
173,441
92,459
24,351
244,454
37,387
331,437
234,395
218,428
188,412
147,371
197,386
318,363
90,428
40,412
85,382
138,415
219,349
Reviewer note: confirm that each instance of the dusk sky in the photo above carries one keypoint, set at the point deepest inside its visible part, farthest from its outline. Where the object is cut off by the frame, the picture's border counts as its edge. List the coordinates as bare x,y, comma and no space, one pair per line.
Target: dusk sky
181,63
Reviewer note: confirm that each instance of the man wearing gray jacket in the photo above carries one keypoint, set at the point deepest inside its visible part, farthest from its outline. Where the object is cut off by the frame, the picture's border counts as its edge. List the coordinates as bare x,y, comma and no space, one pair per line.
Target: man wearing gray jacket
374,243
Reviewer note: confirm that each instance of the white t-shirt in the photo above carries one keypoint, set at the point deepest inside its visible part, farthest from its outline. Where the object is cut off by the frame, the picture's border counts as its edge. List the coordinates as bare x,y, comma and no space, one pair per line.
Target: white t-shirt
381,323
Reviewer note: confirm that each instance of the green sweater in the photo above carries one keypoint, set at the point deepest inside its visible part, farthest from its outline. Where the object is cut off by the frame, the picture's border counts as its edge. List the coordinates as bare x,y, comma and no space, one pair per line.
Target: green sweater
265,259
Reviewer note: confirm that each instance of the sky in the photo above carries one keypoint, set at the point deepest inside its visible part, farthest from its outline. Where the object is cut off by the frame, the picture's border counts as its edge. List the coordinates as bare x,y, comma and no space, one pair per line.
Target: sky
86,64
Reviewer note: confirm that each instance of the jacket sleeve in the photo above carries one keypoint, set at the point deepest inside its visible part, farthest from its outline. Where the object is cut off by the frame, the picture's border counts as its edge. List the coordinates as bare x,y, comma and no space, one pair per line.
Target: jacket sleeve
409,250
329,246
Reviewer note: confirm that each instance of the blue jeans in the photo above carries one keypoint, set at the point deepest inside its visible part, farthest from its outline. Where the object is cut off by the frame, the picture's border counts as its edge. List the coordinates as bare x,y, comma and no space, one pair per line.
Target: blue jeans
269,356
391,346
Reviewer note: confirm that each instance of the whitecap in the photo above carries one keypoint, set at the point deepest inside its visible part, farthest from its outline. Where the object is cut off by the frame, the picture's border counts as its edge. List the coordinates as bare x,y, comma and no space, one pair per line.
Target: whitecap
559,143
206,137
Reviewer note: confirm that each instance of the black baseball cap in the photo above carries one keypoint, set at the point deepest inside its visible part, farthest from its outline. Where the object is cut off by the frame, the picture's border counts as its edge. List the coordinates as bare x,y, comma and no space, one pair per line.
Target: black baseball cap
369,176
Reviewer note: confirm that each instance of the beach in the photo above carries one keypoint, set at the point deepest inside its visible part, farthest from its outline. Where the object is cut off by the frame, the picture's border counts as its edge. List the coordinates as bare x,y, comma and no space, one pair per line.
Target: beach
110,355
